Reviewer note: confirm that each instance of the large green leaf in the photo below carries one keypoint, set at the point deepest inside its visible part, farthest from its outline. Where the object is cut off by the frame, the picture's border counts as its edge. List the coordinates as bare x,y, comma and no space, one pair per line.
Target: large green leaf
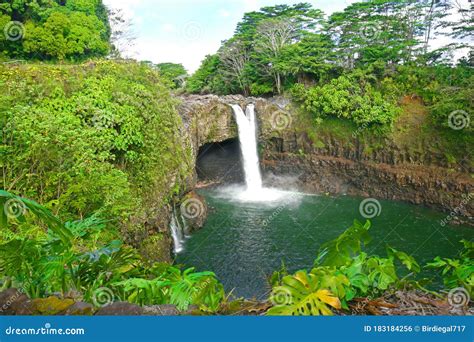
302,297
382,272
407,260
43,214
339,252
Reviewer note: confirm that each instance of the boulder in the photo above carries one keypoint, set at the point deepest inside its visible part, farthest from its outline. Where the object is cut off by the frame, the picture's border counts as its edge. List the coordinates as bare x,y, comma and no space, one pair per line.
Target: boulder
161,310
120,309
15,302
51,305
80,309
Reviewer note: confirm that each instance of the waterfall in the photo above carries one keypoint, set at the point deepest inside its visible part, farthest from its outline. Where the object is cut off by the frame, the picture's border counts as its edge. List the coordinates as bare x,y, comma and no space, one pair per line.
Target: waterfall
177,233
254,192
247,125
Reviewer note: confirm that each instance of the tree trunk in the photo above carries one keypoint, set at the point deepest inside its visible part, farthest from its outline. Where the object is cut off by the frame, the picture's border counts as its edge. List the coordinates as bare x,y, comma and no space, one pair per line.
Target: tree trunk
278,82
430,23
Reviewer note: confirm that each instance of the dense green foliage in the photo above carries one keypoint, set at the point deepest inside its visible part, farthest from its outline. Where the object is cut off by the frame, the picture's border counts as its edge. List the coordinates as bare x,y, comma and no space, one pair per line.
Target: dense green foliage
356,64
348,97
71,259
278,46
250,62
53,29
175,73
343,271
458,272
207,78
99,137
102,142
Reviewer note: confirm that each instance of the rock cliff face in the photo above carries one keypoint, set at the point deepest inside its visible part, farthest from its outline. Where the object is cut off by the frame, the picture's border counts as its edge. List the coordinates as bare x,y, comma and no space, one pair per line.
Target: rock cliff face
335,162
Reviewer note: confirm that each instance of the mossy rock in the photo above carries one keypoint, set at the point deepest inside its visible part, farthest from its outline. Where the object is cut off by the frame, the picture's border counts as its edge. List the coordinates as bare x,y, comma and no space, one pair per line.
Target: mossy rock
80,309
51,305
156,248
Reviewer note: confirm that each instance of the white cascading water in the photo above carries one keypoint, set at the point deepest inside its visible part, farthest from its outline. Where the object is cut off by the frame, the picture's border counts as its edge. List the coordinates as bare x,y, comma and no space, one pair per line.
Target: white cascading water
177,233
248,145
247,125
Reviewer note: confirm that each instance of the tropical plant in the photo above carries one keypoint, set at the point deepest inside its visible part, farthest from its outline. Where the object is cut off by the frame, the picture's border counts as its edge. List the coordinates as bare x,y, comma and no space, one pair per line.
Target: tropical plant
94,138
56,30
348,97
457,272
341,271
69,259
301,295
340,251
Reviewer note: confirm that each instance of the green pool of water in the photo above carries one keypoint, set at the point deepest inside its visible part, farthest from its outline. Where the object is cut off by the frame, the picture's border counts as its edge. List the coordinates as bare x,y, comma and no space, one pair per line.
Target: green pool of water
243,243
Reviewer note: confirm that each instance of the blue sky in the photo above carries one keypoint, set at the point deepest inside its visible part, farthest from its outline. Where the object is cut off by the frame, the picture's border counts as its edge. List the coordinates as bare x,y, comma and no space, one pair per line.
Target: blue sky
185,31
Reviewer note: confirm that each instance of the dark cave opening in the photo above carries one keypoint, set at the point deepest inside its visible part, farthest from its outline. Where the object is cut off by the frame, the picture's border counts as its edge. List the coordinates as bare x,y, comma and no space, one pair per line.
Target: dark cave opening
220,162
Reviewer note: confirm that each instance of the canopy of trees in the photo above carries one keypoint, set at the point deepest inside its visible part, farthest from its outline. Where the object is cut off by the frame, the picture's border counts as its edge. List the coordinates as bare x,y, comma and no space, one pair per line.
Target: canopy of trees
278,46
355,65
54,29
176,74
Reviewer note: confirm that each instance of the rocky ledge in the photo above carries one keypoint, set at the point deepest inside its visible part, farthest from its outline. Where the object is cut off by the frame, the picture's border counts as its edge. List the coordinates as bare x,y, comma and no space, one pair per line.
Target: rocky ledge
333,162
13,302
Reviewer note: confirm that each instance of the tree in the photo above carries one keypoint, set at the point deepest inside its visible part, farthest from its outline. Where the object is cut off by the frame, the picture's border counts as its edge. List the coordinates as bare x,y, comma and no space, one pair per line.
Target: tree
377,30
55,30
234,56
208,78
176,74
273,35
310,59
122,37
247,63
436,11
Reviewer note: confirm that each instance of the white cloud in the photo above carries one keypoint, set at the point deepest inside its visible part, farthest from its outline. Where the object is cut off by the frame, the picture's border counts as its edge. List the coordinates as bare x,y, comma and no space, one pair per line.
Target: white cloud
190,54
224,13
169,28
251,5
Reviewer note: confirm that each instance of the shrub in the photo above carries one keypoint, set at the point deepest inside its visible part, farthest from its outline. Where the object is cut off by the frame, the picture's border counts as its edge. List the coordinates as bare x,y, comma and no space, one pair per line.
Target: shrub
56,30
347,98
341,272
102,136
72,259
